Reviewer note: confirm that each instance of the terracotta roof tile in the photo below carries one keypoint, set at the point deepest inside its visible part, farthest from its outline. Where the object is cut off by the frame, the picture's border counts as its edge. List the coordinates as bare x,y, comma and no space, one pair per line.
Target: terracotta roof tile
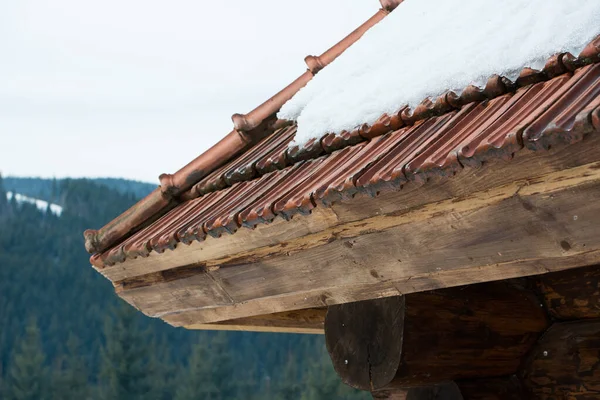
440,137
568,118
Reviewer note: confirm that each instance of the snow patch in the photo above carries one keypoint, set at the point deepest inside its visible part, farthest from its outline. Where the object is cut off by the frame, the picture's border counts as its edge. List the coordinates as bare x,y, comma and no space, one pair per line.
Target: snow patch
42,205
426,47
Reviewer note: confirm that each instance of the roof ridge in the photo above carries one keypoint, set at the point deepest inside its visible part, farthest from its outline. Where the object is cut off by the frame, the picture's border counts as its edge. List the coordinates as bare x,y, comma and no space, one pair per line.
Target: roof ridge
248,130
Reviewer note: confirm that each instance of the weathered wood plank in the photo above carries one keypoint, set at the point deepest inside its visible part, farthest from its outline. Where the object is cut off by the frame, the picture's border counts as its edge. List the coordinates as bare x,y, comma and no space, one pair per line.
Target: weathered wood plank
266,239
194,292
514,231
421,339
573,294
309,321
565,364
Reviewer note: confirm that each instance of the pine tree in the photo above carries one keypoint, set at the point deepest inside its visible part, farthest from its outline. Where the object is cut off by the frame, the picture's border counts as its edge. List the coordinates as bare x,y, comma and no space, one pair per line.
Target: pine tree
210,372
3,199
69,379
288,385
124,373
195,380
27,375
223,371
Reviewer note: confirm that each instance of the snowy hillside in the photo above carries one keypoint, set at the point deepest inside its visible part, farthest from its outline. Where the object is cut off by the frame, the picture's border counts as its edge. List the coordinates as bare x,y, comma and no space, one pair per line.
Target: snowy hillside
42,205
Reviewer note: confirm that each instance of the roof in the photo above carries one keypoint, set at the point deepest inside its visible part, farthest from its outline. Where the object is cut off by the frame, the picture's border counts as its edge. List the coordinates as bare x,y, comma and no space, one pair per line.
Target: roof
248,130
435,140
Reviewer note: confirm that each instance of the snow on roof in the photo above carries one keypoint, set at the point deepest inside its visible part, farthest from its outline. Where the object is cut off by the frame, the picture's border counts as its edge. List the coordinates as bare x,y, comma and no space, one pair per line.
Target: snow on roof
41,205
426,47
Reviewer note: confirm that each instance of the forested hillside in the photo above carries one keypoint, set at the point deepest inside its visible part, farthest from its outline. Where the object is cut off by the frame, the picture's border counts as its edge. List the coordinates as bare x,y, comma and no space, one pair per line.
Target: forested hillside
64,334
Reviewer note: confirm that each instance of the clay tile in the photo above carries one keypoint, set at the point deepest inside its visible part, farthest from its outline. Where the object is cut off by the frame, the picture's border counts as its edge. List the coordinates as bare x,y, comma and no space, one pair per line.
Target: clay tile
332,142
96,261
91,240
313,63
390,5
596,119
554,66
384,124
570,62
453,100
309,150
495,86
167,186
591,52
471,94
529,76
241,122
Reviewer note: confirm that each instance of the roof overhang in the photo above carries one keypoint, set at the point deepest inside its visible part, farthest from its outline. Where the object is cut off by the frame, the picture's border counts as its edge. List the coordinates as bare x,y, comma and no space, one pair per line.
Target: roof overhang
531,215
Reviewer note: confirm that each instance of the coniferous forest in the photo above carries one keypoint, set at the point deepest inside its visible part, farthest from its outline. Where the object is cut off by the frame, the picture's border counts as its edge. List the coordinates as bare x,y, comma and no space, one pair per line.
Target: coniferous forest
64,334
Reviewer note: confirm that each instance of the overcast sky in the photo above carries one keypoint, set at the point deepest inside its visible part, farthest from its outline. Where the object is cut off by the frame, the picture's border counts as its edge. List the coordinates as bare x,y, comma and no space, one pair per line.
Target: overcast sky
135,88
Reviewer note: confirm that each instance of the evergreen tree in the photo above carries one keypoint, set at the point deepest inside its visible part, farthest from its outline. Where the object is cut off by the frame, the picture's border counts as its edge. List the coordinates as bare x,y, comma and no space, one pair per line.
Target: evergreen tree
223,371
124,373
3,199
211,372
44,270
195,383
70,375
27,376
288,387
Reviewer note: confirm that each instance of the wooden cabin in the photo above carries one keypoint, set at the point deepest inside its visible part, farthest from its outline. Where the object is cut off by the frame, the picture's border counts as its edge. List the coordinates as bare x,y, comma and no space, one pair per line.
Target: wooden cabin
445,252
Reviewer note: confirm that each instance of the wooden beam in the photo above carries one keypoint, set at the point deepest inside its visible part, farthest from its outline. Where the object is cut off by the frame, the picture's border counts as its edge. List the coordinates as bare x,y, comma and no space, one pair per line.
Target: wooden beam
431,337
310,321
573,294
279,234
565,363
513,231
442,391
526,217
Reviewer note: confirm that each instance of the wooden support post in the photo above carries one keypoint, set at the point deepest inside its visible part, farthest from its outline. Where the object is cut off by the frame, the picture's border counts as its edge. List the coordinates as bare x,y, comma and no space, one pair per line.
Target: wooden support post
573,294
565,364
426,338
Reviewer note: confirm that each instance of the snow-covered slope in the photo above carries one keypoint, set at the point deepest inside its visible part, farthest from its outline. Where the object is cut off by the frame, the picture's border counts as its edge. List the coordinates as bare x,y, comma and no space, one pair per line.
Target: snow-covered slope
426,47
40,204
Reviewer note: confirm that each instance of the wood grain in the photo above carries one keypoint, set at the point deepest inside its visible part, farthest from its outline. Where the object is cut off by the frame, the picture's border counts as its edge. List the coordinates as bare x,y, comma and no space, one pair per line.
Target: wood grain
275,236
565,364
572,295
309,321
422,339
503,233
464,230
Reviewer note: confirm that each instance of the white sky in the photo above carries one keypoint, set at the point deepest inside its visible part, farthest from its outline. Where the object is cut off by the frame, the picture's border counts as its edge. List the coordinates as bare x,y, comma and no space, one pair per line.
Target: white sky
107,87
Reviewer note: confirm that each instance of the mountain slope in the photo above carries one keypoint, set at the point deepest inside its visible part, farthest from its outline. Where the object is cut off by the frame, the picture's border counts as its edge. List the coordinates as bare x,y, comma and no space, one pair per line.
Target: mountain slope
47,286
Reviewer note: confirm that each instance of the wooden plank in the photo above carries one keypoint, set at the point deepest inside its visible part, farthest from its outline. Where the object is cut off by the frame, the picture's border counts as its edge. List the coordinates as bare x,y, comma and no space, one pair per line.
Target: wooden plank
310,321
573,294
517,230
194,292
274,237
564,364
422,339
